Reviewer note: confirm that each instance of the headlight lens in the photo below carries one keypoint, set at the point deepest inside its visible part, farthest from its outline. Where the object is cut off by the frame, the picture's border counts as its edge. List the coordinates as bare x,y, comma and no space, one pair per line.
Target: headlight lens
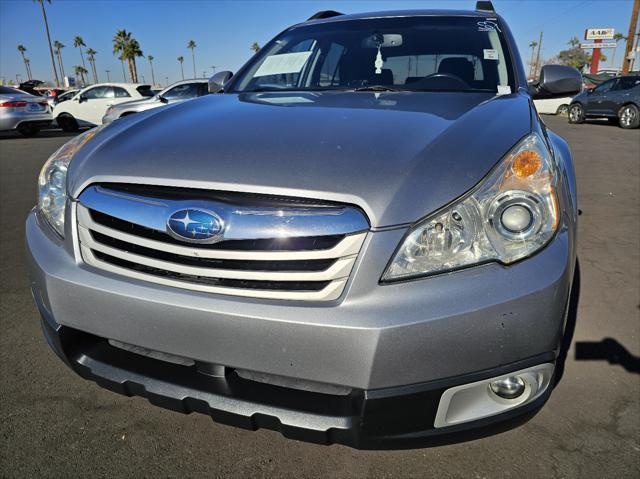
52,182
510,215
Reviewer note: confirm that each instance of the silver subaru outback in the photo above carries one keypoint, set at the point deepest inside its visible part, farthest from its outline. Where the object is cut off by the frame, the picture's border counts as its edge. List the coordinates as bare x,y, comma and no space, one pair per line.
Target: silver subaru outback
366,237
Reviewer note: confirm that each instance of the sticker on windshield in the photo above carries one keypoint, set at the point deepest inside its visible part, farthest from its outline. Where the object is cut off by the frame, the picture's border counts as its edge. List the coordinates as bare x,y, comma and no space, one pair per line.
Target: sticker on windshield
488,26
504,90
490,54
284,63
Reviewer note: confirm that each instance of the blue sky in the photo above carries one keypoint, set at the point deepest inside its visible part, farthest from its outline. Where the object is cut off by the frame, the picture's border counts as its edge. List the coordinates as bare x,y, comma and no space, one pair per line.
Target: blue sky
224,30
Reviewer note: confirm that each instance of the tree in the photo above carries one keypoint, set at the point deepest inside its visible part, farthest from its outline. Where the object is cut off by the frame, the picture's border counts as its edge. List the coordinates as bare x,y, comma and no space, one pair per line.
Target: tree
153,77
91,56
27,63
574,42
255,47
128,49
46,26
131,52
533,46
22,49
120,40
616,38
58,50
81,72
575,56
181,60
78,42
192,46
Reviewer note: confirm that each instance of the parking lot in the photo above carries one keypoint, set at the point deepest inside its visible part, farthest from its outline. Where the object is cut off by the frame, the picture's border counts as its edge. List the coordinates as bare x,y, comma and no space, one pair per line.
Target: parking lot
54,424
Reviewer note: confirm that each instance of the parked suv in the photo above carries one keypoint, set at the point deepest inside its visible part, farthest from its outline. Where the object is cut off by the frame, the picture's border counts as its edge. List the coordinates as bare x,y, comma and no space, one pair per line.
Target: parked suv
90,104
617,99
367,237
180,91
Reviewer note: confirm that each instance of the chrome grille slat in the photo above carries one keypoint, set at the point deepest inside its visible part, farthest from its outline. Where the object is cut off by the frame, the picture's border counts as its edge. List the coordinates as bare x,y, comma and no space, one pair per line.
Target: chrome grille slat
190,266
348,246
340,269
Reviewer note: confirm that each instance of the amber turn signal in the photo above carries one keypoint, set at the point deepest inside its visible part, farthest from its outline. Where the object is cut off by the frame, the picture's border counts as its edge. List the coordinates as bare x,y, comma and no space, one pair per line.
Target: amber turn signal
526,164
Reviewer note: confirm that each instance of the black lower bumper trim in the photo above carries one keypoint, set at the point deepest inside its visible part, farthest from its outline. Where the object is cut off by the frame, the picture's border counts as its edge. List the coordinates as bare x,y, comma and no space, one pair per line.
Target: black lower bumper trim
390,418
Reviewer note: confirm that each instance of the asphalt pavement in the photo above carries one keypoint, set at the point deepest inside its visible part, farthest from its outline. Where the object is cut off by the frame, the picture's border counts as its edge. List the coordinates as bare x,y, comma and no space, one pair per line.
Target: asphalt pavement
55,424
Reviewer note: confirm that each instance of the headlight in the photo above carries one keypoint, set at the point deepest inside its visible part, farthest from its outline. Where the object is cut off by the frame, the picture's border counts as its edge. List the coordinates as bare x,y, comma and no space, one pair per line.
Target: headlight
52,182
510,215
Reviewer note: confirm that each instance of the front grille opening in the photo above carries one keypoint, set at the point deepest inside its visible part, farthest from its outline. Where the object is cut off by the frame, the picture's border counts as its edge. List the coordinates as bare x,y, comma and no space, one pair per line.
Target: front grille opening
273,244
242,265
220,282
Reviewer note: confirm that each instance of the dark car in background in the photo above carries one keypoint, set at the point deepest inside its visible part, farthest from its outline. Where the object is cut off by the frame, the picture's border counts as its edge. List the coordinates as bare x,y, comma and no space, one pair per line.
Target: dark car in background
617,99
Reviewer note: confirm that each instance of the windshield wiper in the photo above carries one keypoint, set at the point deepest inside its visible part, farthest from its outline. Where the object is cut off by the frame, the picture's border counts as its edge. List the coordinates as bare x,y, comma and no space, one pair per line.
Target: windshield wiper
375,88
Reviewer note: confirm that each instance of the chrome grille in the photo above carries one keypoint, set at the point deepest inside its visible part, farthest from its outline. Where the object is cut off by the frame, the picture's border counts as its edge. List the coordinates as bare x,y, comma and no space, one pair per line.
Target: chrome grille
275,252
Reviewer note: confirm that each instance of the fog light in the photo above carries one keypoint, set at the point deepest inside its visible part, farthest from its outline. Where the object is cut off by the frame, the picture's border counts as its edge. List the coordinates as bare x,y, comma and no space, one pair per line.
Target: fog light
508,388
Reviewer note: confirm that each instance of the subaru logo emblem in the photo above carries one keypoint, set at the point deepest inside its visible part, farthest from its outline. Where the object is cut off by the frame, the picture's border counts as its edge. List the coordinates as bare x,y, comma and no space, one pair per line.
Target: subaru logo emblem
194,225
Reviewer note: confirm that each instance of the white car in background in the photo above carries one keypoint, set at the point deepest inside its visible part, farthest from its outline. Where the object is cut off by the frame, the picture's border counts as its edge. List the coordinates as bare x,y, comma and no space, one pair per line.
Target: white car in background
553,106
90,104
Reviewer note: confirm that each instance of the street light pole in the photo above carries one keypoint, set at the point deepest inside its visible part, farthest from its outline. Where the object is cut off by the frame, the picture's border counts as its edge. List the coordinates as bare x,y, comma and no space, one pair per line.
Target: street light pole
108,71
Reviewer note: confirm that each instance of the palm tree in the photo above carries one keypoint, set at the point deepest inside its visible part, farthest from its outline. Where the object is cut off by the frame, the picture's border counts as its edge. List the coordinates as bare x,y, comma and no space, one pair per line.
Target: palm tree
22,49
574,42
27,63
58,50
131,51
46,26
91,56
120,40
616,38
81,71
192,46
180,60
153,77
128,48
255,47
78,42
533,46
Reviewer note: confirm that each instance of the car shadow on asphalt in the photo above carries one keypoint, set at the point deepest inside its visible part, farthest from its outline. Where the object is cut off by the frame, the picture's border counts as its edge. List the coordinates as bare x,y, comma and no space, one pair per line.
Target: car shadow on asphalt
14,135
608,350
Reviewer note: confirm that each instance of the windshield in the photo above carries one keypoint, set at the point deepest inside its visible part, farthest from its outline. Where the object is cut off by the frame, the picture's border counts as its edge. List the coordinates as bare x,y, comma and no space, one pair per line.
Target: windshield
145,90
428,53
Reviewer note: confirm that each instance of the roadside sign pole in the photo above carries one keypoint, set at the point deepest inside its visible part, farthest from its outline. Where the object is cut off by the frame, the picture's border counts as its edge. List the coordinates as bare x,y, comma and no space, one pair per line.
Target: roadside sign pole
627,60
595,58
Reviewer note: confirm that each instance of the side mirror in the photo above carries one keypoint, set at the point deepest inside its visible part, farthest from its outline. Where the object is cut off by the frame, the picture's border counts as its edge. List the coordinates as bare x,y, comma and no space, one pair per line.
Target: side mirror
218,81
162,99
556,81
82,98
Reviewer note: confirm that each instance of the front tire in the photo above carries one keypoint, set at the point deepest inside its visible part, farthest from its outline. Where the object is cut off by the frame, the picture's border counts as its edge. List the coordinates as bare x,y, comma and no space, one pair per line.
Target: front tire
67,122
629,117
576,114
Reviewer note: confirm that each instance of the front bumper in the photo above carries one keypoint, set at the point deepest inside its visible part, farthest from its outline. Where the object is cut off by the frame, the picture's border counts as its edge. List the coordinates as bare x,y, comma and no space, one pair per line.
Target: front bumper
406,341
388,418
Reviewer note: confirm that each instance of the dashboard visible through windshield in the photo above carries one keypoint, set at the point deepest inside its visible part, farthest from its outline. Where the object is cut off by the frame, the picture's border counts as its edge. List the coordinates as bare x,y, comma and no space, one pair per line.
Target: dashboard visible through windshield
421,53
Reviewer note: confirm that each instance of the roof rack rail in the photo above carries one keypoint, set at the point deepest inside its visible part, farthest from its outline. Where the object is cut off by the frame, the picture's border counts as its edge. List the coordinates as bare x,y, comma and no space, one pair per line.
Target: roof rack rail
485,6
324,14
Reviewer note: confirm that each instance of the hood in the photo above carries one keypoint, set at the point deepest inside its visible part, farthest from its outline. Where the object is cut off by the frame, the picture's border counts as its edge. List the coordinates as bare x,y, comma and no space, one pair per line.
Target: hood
397,155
